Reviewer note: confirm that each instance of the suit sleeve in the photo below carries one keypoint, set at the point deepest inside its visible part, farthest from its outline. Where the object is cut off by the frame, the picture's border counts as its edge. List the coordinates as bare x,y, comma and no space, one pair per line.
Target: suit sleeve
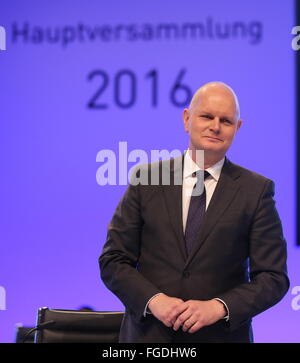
119,259
267,265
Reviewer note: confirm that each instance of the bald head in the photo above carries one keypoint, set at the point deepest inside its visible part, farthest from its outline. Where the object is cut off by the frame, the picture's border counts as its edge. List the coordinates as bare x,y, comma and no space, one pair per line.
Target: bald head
216,89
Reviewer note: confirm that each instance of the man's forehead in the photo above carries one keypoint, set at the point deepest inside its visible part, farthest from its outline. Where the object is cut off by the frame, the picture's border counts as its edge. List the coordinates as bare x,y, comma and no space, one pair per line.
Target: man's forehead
215,102
215,99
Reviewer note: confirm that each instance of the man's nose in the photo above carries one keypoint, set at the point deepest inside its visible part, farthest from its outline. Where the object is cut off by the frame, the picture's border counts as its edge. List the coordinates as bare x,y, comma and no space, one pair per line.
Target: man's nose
215,124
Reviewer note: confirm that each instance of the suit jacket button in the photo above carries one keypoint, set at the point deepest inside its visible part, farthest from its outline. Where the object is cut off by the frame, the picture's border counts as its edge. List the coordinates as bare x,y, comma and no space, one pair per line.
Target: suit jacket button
186,274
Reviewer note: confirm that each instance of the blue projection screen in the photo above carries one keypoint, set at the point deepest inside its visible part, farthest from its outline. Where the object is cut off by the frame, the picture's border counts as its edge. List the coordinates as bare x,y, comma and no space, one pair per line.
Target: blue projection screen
81,77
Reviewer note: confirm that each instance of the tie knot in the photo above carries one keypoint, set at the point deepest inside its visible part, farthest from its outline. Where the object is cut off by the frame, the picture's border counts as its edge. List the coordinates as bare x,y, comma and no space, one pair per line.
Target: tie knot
200,175
206,174
199,185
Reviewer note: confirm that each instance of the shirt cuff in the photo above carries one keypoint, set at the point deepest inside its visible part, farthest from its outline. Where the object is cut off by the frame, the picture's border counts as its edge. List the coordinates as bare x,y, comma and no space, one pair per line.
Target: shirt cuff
226,307
146,307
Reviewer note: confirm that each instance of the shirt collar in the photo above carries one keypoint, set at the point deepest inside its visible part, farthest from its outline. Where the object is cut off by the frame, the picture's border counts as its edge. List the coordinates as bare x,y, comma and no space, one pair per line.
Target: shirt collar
190,167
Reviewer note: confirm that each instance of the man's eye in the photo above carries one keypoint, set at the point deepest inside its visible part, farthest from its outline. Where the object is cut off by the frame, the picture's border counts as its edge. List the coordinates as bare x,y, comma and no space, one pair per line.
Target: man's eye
205,116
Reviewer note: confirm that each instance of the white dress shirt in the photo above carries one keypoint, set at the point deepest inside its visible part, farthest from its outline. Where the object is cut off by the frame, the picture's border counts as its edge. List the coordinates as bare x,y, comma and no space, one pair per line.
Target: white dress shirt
189,169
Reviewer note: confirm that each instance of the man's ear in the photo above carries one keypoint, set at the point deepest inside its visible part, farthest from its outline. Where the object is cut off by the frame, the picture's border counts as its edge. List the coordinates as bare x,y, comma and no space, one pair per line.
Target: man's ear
239,124
186,117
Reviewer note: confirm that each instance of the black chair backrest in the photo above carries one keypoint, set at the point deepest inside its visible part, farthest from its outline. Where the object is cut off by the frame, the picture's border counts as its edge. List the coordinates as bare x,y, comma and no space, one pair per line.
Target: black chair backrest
73,326
24,335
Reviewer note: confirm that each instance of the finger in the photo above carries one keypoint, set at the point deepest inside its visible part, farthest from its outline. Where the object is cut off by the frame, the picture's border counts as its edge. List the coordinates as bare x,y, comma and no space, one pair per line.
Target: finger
177,312
189,323
195,327
181,319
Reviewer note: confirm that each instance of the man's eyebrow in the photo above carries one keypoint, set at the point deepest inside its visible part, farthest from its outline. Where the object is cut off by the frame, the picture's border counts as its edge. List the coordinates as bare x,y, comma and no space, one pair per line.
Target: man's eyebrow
223,117
205,112
226,117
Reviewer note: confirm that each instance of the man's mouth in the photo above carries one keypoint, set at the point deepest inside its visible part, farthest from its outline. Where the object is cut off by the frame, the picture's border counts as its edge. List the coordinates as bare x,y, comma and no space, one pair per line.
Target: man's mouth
213,138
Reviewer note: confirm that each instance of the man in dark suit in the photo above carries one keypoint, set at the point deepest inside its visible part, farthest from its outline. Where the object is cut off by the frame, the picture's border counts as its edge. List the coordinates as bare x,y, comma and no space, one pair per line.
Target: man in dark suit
197,268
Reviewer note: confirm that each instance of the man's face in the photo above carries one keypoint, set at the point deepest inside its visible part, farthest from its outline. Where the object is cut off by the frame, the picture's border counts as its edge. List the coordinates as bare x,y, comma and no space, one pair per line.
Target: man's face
211,121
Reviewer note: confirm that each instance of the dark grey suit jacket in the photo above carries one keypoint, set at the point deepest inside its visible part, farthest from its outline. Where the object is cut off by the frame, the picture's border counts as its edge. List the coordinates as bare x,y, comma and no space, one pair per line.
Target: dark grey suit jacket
239,256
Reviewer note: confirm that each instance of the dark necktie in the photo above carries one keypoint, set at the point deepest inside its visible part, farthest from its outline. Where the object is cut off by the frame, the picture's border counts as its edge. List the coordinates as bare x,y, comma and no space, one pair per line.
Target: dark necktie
196,210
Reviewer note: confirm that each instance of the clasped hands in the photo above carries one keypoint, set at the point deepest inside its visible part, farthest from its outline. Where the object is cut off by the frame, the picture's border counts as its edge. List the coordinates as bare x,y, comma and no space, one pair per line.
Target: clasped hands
191,315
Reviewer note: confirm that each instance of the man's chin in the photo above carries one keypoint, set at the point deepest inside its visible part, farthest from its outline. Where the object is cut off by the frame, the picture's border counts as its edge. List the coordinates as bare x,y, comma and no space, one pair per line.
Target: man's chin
210,148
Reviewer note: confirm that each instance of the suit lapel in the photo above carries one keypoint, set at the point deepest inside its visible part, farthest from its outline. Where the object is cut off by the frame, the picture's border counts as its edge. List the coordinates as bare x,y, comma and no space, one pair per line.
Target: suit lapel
173,198
223,195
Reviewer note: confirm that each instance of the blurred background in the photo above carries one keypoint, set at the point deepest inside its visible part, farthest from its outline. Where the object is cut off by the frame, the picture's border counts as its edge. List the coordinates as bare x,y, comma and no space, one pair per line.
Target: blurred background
79,77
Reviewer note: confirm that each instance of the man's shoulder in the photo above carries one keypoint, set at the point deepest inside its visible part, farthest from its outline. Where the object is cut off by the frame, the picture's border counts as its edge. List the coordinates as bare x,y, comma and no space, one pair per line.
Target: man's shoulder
247,174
